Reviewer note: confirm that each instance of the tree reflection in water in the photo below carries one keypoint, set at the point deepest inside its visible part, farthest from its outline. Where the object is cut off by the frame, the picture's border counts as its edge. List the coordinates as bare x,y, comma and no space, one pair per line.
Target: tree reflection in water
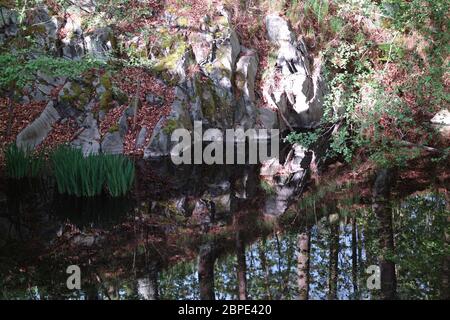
168,245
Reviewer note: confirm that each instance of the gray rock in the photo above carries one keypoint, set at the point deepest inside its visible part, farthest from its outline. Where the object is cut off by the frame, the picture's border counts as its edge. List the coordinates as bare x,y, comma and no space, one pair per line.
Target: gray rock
88,139
47,38
140,141
441,118
88,6
45,89
297,92
154,99
38,130
246,68
8,22
213,101
278,30
98,42
160,144
123,125
112,143
268,118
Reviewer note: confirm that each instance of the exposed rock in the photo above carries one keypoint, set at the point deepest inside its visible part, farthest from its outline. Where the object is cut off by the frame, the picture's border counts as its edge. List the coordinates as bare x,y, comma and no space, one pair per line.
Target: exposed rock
160,144
293,88
216,53
72,44
99,42
88,139
42,87
441,121
112,143
38,130
278,30
267,118
441,118
140,141
87,6
123,125
72,98
154,99
246,68
8,23
46,28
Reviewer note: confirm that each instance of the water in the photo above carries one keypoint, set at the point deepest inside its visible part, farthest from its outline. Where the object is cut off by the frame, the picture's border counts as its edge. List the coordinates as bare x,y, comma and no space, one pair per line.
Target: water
192,232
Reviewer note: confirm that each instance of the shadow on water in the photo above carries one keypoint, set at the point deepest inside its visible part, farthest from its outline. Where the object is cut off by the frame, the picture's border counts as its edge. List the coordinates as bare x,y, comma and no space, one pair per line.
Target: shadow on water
98,212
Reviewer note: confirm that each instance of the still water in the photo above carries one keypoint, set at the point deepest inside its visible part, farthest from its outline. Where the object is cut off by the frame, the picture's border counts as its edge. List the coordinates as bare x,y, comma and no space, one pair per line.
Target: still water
192,232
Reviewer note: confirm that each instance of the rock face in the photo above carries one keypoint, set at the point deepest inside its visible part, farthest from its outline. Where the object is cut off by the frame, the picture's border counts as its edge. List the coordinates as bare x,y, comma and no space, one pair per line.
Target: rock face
46,28
441,121
36,131
160,142
246,69
88,139
298,93
112,143
8,24
441,118
214,77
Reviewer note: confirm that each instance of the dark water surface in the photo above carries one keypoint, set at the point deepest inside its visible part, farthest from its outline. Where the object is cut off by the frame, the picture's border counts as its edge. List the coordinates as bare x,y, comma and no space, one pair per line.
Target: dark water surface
194,232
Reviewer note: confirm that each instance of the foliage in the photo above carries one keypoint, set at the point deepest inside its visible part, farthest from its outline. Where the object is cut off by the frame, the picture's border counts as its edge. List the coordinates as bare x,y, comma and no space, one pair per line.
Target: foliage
87,176
306,139
18,70
119,174
318,7
22,163
365,109
419,224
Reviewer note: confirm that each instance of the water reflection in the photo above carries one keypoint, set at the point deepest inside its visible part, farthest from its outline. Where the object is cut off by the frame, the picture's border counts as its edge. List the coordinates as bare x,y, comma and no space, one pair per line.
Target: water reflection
201,233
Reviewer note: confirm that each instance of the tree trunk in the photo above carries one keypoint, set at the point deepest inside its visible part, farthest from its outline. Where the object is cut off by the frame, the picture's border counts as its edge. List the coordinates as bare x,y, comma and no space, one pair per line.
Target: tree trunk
241,267
303,264
382,208
206,271
148,286
265,268
354,257
334,259
445,290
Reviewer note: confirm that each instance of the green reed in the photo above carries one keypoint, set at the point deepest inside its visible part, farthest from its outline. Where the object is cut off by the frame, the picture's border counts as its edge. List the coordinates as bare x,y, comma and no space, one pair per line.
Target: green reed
120,173
88,176
22,163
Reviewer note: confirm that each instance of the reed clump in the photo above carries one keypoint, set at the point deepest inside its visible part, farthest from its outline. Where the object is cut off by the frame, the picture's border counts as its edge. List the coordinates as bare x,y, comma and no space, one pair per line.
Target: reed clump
89,176
22,163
